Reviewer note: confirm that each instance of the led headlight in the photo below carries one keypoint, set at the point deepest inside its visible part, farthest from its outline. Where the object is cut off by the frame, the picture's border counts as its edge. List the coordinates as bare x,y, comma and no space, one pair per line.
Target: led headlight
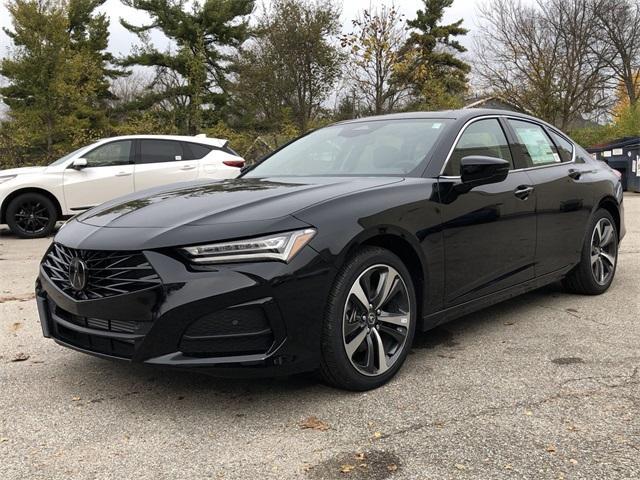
6,178
280,246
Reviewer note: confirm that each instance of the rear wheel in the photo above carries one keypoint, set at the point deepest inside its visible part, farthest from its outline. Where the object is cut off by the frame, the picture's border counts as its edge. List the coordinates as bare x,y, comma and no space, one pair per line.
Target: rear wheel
597,267
370,321
31,215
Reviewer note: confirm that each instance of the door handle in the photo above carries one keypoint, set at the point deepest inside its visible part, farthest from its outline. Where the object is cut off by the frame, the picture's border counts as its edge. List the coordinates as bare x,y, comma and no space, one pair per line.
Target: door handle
575,174
188,167
523,191
123,174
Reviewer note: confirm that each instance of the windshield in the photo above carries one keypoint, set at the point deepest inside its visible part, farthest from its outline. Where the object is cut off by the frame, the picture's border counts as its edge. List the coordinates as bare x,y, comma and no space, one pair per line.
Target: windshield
66,157
381,147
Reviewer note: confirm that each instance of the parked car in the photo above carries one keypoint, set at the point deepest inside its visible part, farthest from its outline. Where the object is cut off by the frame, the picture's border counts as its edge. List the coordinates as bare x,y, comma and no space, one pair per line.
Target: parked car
330,253
32,199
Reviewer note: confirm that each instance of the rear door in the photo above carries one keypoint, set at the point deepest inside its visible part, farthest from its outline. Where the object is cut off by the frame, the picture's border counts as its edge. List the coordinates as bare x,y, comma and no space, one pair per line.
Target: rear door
108,174
160,162
490,230
564,198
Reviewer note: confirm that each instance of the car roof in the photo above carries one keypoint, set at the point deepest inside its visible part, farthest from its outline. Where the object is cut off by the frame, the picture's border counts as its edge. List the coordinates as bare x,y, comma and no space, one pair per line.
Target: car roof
214,142
460,114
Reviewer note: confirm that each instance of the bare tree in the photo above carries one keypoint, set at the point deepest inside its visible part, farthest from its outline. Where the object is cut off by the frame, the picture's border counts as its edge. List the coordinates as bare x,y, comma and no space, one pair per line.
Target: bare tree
545,58
619,29
374,51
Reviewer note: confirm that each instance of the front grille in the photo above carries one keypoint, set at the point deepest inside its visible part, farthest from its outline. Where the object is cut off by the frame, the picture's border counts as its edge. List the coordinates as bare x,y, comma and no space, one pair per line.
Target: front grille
108,272
118,326
116,338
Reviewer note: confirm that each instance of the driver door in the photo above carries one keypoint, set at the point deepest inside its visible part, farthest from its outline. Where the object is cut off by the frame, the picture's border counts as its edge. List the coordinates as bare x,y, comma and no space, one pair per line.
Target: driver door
489,231
108,174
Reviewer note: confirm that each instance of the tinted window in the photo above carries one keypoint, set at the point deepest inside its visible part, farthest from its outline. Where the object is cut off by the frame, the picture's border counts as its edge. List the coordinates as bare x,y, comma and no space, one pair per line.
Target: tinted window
195,151
383,147
483,137
114,153
157,151
564,146
536,145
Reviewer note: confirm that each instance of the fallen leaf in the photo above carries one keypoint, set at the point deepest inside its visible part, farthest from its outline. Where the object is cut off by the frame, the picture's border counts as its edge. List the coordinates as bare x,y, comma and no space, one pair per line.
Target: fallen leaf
460,466
508,466
377,434
15,326
528,412
360,456
573,460
3,439
314,423
392,467
20,357
75,399
551,449
346,468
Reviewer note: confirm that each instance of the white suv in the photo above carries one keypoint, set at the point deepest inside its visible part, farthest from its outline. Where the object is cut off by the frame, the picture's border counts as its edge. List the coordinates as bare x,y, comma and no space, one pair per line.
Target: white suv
32,199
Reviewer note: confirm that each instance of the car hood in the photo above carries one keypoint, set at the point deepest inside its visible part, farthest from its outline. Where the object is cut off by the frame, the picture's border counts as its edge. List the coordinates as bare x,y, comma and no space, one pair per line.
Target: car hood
21,171
224,202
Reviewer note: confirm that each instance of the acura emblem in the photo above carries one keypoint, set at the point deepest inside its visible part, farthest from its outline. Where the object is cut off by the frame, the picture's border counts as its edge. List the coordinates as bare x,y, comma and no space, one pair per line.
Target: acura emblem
78,274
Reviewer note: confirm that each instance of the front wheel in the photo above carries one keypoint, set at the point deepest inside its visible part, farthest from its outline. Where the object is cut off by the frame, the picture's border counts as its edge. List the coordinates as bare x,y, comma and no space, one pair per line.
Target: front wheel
597,267
31,215
370,321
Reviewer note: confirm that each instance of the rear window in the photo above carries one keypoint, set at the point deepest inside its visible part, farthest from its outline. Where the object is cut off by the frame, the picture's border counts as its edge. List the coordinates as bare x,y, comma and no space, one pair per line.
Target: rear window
195,151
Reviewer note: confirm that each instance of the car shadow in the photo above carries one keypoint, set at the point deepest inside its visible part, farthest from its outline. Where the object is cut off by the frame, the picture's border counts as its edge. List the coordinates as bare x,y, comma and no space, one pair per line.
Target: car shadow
95,380
6,233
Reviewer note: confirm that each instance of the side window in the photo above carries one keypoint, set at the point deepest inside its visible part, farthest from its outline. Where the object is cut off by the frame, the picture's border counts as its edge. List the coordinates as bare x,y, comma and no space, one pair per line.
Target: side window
195,151
113,153
483,137
537,147
158,151
564,146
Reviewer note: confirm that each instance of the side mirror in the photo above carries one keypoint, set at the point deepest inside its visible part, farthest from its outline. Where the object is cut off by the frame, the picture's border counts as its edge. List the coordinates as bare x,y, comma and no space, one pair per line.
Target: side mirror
79,163
476,170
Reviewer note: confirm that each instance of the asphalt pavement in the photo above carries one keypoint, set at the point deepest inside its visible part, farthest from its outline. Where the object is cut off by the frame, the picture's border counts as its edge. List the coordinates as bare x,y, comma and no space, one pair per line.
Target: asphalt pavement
545,386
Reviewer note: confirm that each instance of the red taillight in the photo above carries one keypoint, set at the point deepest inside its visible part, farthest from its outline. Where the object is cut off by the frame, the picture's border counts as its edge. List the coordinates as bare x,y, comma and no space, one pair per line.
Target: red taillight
234,163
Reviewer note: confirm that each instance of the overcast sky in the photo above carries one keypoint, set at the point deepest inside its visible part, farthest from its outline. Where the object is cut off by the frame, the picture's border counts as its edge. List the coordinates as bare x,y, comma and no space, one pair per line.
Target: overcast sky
120,40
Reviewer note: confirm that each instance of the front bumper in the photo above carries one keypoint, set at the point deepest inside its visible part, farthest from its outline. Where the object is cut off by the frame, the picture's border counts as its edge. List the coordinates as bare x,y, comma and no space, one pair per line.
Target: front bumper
243,319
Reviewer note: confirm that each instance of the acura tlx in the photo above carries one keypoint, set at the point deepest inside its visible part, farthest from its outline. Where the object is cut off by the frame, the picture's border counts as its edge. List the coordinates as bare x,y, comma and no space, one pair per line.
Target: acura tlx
328,254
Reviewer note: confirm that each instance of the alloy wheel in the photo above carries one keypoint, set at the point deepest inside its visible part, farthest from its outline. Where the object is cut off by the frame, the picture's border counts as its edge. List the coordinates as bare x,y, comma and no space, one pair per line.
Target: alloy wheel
603,251
32,217
376,320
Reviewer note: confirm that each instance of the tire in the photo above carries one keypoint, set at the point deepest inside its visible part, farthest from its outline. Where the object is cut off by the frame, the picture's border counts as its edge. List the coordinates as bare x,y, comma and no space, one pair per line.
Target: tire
599,257
32,215
350,326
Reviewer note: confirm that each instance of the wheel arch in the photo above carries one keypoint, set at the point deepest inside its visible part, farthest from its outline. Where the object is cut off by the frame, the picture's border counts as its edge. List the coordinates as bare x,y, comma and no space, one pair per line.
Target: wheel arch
20,191
399,244
610,204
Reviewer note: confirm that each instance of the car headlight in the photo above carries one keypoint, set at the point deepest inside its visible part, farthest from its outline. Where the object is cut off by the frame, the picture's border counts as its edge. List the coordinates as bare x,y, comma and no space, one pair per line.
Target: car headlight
280,246
6,178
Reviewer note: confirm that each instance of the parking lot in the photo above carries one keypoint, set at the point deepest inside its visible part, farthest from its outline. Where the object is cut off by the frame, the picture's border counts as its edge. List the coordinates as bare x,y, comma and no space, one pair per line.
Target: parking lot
543,386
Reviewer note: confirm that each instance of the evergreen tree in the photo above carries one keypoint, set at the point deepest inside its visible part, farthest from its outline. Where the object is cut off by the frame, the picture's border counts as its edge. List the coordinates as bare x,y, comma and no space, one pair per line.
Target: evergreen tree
203,36
429,64
57,75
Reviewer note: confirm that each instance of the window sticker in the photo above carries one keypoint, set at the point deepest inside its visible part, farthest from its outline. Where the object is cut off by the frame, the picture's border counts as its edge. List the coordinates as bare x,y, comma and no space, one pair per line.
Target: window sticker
556,157
606,154
617,151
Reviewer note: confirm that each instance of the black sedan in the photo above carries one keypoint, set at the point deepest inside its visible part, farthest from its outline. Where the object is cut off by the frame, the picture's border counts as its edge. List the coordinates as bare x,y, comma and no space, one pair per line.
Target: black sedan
331,252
